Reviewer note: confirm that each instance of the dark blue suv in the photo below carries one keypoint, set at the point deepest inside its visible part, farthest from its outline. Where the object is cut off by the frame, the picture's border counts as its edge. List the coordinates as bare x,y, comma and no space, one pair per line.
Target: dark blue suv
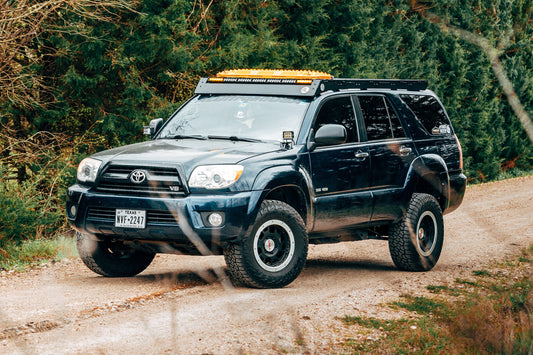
260,163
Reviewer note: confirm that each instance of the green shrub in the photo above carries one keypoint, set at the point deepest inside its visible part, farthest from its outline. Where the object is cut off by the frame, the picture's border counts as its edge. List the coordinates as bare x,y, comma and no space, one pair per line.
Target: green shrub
24,213
38,251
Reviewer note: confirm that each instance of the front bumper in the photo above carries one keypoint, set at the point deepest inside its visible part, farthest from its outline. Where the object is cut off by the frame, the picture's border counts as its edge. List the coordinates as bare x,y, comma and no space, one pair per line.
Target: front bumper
176,220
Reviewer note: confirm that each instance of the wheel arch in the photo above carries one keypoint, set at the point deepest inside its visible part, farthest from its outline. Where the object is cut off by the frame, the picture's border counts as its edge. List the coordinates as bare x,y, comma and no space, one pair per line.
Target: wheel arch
429,174
285,184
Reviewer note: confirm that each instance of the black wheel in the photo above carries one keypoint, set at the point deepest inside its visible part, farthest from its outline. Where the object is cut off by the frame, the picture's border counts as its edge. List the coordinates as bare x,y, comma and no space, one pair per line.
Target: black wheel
274,253
112,259
416,241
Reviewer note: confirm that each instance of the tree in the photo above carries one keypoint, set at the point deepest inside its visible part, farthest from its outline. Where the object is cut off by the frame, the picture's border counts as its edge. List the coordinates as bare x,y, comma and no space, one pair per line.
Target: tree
77,76
493,52
21,24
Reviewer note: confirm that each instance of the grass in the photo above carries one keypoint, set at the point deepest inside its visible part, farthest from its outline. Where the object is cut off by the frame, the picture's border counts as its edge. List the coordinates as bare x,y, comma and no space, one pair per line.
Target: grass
421,305
37,252
502,175
513,173
493,313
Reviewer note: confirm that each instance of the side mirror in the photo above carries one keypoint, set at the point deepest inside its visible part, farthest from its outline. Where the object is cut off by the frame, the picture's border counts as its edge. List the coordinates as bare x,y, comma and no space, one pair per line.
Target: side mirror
154,127
331,134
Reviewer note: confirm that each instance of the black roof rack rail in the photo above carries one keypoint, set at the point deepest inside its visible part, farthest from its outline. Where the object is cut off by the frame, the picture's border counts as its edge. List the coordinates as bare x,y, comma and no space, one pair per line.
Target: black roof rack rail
364,84
257,86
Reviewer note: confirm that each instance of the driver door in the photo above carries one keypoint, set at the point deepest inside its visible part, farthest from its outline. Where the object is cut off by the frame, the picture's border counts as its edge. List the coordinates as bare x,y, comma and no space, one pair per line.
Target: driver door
340,173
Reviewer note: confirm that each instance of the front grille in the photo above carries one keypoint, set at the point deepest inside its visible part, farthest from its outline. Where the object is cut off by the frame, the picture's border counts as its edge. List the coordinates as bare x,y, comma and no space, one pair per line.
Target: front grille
162,217
107,214
103,214
157,181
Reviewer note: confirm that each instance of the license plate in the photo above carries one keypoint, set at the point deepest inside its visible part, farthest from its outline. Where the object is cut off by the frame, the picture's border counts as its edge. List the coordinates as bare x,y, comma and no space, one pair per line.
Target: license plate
130,219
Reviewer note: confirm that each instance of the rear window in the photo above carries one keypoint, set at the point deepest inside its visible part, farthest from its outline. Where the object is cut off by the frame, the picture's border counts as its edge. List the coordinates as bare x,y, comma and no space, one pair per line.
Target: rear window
380,118
429,112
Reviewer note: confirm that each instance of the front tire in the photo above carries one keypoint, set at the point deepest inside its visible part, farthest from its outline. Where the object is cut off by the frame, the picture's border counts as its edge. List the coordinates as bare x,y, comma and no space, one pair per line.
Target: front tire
274,253
415,243
111,259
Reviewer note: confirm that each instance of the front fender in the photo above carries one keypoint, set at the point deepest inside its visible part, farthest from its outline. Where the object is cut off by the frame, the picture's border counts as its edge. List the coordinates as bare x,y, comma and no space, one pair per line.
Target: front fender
278,177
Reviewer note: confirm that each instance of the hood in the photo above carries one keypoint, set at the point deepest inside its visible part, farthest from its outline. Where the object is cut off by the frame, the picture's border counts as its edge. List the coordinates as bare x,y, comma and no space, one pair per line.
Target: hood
186,152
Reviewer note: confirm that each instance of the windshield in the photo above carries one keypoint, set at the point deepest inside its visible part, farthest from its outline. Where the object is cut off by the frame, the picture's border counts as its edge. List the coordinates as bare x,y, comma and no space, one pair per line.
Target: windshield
242,116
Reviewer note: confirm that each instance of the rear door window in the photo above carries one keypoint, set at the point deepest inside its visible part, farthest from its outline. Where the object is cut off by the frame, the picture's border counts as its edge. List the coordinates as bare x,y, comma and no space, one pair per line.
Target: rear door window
381,121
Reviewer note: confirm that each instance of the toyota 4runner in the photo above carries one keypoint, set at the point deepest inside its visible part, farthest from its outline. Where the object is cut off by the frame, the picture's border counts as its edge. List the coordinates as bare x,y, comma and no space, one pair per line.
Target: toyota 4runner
260,163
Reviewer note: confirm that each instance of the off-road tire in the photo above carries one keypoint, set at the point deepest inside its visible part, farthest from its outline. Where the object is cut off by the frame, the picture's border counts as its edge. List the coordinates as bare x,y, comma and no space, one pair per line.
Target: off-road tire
415,243
273,254
111,259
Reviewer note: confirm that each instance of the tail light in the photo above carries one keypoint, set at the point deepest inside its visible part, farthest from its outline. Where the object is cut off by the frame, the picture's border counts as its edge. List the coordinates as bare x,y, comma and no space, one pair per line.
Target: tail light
460,152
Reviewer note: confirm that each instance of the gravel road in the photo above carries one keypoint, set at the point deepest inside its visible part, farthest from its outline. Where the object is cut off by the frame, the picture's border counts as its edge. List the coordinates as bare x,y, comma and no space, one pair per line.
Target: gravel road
177,306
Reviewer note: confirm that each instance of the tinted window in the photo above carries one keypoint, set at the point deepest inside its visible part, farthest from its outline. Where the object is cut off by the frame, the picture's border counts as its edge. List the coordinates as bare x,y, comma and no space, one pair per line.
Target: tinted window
376,117
381,121
338,111
397,129
428,111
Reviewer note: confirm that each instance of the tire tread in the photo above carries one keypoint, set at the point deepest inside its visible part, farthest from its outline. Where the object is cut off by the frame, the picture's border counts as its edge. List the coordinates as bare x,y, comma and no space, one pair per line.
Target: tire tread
238,260
97,259
401,247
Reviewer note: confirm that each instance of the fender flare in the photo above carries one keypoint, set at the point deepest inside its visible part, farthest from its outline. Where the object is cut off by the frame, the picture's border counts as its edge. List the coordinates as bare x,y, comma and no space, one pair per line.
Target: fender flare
430,171
277,177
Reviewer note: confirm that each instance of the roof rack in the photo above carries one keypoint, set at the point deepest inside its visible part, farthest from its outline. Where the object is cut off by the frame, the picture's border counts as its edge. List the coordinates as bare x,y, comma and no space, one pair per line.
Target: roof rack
307,83
364,84
258,86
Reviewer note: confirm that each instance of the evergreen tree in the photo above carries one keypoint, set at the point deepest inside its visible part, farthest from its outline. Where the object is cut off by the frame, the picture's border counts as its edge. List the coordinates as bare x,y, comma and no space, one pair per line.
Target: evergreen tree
109,78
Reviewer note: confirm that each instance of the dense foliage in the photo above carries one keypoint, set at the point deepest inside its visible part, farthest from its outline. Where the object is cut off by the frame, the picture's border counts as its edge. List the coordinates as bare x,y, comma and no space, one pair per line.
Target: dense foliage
102,80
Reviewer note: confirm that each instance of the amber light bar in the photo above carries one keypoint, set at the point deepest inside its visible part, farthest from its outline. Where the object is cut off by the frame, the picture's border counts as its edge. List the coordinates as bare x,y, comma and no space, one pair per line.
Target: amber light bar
300,76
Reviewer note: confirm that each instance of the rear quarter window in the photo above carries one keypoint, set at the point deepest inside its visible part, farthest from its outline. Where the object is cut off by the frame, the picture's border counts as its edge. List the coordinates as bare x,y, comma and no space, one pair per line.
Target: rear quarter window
429,112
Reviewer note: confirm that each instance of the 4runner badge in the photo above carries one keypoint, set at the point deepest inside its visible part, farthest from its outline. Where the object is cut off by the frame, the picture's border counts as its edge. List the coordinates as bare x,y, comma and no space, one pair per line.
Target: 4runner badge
137,176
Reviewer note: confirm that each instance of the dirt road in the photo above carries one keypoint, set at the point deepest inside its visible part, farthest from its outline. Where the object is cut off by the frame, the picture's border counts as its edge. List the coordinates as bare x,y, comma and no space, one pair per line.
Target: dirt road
178,306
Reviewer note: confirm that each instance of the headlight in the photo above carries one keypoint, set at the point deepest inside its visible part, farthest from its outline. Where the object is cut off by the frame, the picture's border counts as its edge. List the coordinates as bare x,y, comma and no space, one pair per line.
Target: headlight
215,176
88,169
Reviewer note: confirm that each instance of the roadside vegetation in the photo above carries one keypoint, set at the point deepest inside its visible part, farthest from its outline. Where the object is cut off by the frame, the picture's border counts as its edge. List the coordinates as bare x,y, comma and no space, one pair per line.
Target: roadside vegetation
36,252
489,313
513,173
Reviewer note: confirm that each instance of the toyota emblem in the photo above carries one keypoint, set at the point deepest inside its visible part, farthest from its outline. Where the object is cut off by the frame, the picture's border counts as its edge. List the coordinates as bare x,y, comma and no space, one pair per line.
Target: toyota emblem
138,176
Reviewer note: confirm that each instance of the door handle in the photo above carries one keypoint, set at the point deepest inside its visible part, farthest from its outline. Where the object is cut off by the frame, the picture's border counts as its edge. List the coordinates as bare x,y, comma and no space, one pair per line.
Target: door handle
405,151
361,155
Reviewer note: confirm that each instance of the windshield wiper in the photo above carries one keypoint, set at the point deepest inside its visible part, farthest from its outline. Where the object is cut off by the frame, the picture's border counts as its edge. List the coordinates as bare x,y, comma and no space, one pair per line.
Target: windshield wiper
235,138
186,136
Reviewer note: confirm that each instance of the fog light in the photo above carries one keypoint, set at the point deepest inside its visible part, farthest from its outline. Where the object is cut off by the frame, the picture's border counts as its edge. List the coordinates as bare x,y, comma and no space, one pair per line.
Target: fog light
215,219
73,210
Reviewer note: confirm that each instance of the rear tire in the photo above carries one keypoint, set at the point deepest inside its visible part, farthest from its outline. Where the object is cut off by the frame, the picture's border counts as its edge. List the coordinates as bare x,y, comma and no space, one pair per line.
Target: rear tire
274,253
111,259
415,243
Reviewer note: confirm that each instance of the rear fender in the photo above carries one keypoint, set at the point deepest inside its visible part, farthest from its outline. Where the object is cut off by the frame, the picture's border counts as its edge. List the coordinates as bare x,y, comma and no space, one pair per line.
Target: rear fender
429,174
